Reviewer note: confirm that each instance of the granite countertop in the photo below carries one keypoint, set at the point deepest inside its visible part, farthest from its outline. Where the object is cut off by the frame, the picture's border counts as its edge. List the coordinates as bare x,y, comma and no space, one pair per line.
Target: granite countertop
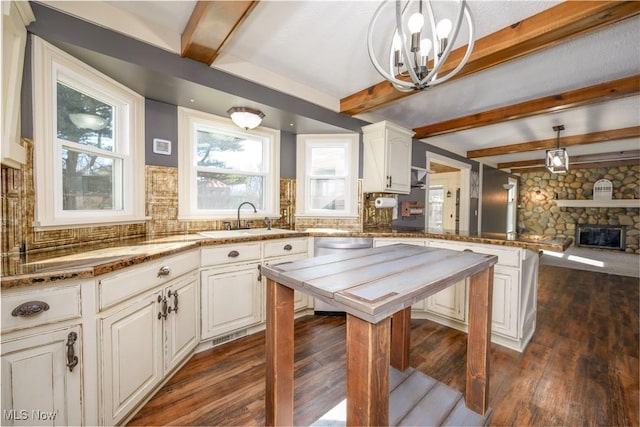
92,260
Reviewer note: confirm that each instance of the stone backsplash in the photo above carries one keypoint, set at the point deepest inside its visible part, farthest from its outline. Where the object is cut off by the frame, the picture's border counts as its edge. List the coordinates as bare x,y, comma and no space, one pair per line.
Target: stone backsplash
17,198
538,213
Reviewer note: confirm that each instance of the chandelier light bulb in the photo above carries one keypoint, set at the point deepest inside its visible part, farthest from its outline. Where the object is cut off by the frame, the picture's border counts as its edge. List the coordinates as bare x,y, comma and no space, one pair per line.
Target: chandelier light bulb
443,29
416,21
425,47
557,161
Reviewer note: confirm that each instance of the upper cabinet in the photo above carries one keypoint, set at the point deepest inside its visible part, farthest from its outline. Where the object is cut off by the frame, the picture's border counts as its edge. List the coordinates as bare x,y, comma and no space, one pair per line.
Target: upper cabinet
16,15
387,158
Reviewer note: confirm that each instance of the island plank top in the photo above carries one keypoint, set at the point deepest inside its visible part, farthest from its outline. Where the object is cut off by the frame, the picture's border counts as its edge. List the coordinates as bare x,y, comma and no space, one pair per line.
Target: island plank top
373,284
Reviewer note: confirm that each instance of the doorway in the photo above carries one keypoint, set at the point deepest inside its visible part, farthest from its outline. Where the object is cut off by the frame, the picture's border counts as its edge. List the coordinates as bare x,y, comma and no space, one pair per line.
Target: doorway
448,202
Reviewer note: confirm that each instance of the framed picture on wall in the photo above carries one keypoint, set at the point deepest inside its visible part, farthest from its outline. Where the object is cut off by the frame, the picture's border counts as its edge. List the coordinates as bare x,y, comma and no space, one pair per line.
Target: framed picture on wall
162,146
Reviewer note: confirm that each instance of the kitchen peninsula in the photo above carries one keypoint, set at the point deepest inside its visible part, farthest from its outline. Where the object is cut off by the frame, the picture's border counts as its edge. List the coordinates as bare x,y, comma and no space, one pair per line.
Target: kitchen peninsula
159,300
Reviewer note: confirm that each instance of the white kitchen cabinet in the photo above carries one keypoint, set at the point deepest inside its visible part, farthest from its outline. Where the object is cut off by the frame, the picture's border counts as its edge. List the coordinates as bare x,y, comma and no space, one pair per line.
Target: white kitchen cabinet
505,301
144,337
43,358
514,295
39,385
386,158
231,299
182,325
131,355
16,15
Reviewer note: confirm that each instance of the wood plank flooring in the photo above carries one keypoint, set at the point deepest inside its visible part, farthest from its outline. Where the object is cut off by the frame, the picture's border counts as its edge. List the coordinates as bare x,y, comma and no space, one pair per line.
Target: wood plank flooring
581,368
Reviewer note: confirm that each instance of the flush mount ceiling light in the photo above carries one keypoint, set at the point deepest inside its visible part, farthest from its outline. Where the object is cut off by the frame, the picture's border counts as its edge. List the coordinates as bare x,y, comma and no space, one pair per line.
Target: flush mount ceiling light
416,30
557,160
88,121
245,117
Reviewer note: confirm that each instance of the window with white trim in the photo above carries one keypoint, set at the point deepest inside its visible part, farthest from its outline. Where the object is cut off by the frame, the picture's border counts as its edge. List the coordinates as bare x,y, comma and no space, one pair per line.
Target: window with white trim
327,175
222,166
89,143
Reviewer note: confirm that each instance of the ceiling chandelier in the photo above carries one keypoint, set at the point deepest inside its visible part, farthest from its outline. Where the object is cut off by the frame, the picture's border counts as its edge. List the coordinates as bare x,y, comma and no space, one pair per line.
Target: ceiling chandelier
418,29
245,117
557,160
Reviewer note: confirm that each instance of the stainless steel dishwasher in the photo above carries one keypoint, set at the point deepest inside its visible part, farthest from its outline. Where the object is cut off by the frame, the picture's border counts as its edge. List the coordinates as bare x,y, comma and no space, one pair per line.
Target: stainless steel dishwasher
335,245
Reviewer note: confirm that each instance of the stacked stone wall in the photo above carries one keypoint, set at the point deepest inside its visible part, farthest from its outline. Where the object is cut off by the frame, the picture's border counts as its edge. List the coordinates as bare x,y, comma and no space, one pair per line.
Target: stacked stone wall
538,213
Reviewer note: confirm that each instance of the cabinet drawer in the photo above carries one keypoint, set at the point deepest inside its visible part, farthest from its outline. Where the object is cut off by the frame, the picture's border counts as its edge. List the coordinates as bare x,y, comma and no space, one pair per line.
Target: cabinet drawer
506,257
283,247
63,303
135,280
224,254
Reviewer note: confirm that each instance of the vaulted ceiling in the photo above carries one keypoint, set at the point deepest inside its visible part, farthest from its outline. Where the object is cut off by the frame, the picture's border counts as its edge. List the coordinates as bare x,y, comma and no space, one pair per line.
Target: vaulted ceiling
535,64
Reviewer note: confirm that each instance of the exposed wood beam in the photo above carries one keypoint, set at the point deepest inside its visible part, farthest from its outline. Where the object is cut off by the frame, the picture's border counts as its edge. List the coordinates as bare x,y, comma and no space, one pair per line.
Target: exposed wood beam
565,141
592,165
577,160
210,26
552,26
607,91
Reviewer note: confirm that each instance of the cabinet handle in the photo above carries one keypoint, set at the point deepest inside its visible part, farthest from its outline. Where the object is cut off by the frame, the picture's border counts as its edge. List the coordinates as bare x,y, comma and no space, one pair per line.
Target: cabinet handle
30,308
163,313
72,359
164,271
467,250
287,247
174,294
233,254
259,272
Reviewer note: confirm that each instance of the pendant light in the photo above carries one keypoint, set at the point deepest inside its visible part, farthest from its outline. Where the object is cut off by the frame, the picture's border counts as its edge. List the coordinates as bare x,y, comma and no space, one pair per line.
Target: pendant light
557,160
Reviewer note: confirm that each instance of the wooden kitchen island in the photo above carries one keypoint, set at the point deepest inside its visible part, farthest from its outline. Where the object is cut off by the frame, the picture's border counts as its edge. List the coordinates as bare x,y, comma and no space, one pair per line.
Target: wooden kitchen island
376,288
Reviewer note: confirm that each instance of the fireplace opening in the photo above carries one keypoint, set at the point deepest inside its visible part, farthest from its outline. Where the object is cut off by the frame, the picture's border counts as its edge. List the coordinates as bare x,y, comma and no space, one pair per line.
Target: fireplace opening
601,236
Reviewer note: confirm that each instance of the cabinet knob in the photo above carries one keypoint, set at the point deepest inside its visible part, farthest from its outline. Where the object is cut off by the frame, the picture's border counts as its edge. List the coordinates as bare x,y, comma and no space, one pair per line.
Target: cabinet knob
164,271
29,309
233,254
287,247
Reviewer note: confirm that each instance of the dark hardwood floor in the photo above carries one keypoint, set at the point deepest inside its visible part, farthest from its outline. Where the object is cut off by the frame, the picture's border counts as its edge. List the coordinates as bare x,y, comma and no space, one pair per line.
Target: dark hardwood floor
581,367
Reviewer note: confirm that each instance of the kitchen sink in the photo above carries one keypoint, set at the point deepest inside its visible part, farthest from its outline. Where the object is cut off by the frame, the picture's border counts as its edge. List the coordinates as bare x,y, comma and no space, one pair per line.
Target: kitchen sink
226,234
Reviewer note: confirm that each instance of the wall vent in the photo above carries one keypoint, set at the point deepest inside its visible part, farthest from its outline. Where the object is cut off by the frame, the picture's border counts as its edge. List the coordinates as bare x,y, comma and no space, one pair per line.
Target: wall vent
226,338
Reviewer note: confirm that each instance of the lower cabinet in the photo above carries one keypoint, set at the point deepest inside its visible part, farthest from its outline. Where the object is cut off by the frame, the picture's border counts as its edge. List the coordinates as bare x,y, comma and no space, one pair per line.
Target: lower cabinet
449,302
144,339
300,299
231,299
41,379
504,317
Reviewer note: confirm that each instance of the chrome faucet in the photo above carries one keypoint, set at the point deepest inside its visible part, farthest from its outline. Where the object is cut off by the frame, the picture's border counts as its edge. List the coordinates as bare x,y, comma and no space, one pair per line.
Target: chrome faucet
241,205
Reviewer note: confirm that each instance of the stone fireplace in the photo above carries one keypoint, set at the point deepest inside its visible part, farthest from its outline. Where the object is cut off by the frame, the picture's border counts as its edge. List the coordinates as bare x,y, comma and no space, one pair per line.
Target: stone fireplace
601,236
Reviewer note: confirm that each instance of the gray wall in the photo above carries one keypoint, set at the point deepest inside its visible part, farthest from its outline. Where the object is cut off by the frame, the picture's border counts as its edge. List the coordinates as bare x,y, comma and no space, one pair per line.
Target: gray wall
161,121
287,155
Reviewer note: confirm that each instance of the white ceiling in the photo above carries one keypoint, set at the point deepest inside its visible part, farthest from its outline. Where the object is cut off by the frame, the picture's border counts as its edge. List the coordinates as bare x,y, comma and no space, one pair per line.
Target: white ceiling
317,50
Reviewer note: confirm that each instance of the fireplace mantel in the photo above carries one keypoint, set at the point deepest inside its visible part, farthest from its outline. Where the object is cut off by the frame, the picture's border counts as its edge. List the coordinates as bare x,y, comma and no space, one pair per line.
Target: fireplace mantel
618,203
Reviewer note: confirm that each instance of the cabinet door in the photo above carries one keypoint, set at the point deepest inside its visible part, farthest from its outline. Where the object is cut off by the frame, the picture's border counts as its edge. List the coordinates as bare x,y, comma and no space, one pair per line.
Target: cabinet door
505,302
399,162
231,299
182,327
37,386
132,356
449,302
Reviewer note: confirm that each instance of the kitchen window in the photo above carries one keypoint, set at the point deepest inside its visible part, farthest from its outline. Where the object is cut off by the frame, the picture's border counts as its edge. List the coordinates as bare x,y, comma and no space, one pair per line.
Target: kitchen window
327,167
221,166
89,144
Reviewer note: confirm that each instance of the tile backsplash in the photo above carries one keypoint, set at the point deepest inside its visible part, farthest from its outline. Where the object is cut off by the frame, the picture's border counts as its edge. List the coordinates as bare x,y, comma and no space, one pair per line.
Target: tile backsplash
161,205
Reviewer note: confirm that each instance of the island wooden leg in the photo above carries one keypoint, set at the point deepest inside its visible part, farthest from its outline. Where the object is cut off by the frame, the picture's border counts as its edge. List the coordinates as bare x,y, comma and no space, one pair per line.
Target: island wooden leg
479,340
401,339
368,372
279,355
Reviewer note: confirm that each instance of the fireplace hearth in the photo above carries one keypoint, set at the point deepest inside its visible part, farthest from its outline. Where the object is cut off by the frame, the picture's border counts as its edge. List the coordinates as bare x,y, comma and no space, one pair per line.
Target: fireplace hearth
601,236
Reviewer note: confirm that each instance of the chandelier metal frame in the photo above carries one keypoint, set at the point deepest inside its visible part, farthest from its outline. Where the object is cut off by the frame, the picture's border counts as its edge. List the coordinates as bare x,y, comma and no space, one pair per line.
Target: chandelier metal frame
420,76
557,159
